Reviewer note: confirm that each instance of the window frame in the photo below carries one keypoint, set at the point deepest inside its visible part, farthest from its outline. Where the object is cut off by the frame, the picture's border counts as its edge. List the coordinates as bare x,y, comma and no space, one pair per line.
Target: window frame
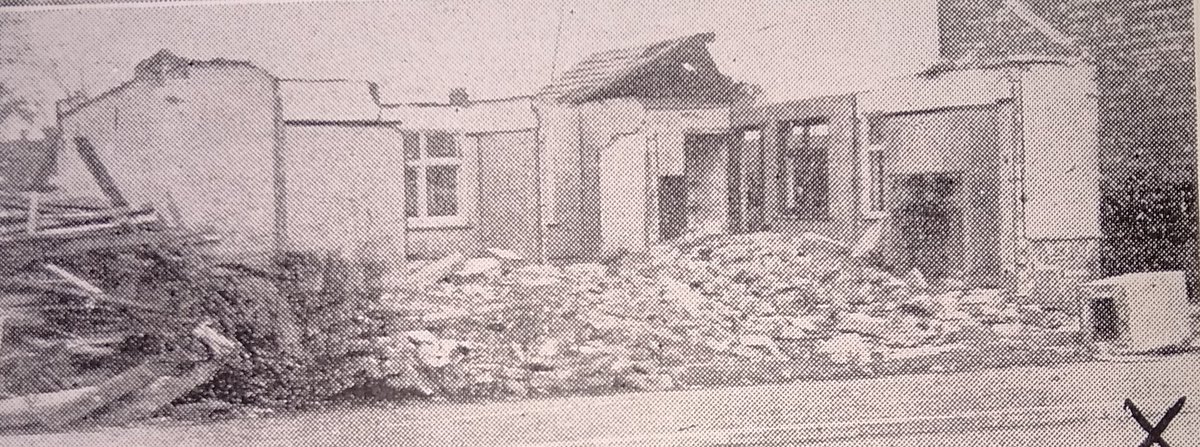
786,178
872,182
422,164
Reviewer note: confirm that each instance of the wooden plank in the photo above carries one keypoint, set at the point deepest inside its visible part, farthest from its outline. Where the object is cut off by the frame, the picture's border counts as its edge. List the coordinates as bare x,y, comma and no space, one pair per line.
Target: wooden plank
142,403
74,280
109,186
24,410
75,407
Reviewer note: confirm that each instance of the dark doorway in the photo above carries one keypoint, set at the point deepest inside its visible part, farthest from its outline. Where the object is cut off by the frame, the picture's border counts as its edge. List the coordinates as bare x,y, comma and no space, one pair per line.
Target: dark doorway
672,206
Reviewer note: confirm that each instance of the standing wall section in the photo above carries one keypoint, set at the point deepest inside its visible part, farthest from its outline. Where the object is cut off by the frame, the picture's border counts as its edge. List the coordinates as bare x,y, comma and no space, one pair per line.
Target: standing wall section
201,139
345,191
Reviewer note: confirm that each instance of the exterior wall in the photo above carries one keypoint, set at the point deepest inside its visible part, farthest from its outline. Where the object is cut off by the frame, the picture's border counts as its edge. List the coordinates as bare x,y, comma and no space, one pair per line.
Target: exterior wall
614,193
495,141
435,241
844,219
345,190
509,187
1144,51
570,180
203,141
1059,267
1062,172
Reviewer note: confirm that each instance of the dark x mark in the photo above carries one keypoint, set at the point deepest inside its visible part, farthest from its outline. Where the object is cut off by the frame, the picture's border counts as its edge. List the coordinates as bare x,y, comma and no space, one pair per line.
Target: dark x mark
1154,432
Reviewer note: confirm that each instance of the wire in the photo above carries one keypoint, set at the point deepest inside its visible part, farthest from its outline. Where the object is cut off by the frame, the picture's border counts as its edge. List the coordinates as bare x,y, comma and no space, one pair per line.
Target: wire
557,39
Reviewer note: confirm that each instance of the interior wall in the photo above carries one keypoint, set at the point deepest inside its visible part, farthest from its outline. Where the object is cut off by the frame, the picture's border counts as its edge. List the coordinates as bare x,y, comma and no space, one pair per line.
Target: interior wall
706,158
623,195
964,143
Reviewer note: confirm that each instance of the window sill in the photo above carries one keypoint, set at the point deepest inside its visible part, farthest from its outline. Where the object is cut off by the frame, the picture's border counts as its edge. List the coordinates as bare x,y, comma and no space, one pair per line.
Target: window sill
438,223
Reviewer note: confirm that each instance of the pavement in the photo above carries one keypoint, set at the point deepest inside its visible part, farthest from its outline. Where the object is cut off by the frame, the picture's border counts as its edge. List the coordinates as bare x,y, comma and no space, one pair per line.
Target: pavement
1076,404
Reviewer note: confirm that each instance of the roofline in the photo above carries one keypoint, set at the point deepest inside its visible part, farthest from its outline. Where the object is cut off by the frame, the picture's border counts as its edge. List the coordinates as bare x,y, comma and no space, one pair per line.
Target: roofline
950,66
342,123
578,97
193,63
95,99
470,103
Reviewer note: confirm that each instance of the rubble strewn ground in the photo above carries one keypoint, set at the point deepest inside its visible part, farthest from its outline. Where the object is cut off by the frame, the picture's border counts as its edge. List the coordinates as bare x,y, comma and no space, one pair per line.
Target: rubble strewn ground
720,310
705,311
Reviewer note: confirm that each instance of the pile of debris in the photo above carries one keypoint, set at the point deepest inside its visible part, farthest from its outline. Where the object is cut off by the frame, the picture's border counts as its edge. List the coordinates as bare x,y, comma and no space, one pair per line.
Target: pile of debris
718,310
115,314
109,313
74,349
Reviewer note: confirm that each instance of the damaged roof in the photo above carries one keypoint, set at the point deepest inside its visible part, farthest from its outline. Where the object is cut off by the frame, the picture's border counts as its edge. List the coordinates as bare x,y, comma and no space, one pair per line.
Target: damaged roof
609,73
164,63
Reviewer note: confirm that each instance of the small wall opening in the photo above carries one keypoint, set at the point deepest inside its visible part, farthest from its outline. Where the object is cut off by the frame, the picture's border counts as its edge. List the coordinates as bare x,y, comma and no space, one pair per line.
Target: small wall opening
1105,322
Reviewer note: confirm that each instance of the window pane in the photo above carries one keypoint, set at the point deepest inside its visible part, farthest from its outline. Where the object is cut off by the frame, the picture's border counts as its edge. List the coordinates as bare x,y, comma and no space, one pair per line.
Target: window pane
412,204
412,145
442,190
441,145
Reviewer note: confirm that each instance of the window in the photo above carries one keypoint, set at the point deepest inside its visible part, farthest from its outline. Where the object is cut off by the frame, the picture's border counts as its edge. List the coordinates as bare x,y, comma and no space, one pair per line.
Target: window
433,186
871,162
804,169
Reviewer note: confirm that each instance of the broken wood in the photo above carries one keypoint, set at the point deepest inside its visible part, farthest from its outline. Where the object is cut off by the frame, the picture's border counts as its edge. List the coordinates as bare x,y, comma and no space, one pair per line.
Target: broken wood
74,280
24,411
142,403
107,185
219,344
16,202
31,224
72,408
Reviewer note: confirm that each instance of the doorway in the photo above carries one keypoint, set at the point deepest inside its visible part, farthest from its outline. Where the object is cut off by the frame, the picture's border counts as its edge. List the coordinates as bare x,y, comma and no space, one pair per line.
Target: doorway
746,182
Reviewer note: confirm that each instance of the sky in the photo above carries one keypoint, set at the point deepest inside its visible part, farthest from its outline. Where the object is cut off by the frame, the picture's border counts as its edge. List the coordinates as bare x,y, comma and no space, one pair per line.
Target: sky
419,50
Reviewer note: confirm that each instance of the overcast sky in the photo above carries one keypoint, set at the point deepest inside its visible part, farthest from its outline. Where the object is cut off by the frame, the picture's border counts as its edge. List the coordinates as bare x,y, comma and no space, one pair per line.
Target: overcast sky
419,50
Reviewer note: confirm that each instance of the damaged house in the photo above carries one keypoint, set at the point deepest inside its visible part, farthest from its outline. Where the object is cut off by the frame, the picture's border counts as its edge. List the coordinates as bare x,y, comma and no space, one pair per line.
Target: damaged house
644,127
629,148
968,169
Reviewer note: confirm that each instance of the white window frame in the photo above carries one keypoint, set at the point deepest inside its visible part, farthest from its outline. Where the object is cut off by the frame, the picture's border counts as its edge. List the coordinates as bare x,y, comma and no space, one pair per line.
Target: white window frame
422,165
869,180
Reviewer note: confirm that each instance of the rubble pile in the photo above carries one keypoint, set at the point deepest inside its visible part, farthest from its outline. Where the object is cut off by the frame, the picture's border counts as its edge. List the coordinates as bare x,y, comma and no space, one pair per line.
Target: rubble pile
710,311
124,305
107,314
112,314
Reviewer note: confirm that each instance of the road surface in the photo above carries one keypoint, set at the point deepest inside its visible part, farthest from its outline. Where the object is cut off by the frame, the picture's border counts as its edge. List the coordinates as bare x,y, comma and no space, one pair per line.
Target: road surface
1078,404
